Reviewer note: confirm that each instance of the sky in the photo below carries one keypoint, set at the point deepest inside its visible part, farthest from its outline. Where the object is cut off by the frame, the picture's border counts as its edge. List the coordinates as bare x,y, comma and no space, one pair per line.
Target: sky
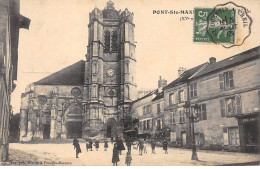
58,37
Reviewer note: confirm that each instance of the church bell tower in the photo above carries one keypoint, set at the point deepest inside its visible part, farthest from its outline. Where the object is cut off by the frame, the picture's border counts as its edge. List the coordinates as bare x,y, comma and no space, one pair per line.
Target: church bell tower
109,86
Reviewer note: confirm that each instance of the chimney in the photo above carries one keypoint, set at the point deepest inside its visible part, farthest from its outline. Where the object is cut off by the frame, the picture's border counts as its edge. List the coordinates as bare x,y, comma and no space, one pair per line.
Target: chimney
181,71
212,60
162,82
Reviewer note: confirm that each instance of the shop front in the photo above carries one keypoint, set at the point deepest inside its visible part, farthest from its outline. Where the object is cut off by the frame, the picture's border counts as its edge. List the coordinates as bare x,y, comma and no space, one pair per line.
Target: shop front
249,132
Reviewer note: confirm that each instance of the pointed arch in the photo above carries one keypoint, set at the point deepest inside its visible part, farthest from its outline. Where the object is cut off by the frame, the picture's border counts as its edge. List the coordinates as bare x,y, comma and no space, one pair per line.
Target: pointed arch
107,41
75,109
114,41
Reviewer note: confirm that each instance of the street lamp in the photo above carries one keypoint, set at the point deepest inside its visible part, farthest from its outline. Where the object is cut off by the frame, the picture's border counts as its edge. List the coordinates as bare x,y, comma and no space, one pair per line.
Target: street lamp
192,117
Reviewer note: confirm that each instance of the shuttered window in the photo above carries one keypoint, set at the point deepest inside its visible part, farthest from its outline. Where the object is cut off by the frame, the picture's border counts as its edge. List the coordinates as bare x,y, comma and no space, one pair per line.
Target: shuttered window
226,80
222,108
221,81
182,116
230,106
171,118
193,90
238,105
181,96
202,112
171,99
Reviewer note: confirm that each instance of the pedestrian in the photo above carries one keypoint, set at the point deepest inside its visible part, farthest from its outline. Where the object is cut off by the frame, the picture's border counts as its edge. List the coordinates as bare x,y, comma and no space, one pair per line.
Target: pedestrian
145,150
105,145
97,145
77,147
115,156
141,146
128,158
90,145
120,145
74,142
128,144
153,146
112,140
165,146
87,145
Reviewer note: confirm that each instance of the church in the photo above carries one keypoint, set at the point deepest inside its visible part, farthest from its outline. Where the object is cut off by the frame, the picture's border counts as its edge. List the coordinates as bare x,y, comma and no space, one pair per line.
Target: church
90,98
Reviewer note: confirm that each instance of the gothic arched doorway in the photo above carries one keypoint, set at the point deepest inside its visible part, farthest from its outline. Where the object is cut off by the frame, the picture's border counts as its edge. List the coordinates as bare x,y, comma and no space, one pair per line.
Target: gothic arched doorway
46,124
111,128
74,121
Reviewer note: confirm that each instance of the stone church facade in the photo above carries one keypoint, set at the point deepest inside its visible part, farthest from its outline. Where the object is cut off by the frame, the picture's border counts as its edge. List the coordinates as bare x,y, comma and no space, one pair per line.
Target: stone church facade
89,98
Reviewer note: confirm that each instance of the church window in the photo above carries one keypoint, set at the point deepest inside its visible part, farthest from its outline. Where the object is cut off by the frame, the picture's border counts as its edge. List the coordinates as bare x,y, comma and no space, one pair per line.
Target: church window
107,42
114,41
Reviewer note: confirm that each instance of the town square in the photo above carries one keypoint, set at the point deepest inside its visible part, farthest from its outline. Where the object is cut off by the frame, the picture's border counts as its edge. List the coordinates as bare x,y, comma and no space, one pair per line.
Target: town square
129,83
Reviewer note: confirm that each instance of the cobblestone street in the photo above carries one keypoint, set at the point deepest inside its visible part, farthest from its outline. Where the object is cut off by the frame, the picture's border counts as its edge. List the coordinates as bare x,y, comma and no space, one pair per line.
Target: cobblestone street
64,154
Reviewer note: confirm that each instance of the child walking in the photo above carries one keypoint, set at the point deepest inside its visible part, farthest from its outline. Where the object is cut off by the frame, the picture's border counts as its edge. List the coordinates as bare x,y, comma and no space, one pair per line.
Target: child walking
105,145
128,159
165,146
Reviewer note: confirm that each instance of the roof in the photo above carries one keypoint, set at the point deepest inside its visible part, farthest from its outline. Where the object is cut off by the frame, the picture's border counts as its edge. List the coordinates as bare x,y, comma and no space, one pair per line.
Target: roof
243,57
159,96
184,76
149,94
71,75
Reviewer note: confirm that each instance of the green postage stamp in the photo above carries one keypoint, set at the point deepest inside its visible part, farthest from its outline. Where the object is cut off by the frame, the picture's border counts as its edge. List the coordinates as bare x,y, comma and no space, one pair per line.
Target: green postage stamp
227,24
214,25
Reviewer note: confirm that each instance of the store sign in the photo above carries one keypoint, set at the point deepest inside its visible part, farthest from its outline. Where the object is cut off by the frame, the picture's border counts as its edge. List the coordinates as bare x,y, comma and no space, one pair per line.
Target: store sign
251,119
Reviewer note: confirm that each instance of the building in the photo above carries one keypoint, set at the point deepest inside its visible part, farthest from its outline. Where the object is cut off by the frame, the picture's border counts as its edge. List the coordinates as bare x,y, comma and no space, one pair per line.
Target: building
10,22
142,92
175,115
228,93
148,109
89,98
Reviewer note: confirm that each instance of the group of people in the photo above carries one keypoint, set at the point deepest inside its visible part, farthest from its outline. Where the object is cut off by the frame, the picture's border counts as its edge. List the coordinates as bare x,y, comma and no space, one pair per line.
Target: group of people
89,145
119,147
117,150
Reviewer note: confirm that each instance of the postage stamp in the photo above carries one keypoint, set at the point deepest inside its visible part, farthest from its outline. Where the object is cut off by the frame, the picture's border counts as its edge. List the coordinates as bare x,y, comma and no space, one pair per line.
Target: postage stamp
226,24
218,27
